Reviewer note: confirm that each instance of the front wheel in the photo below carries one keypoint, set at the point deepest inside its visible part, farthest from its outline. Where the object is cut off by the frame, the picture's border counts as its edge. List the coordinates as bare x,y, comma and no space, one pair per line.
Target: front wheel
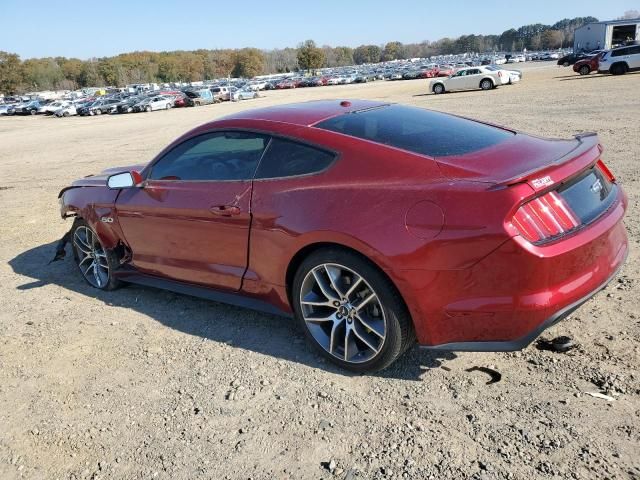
584,70
148,109
33,112
350,311
95,262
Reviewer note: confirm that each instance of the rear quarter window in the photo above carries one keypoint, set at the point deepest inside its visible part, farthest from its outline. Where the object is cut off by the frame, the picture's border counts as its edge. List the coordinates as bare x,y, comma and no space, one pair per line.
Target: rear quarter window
417,130
284,158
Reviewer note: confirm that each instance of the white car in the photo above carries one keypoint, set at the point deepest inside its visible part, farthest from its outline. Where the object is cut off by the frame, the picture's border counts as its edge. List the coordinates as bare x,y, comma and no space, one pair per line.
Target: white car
159,102
514,75
621,60
469,79
53,107
66,111
243,94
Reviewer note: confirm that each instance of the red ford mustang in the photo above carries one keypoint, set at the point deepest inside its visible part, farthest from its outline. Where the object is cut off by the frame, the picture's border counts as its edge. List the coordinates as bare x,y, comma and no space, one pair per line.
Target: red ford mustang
373,224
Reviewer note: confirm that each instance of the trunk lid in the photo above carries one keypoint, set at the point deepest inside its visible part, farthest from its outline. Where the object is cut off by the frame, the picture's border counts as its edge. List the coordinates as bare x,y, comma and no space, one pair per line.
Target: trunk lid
524,158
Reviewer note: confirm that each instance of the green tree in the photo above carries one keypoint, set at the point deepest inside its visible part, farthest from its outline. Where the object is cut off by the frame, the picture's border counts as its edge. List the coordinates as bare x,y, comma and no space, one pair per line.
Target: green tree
10,72
393,51
367,54
249,63
343,55
551,39
309,56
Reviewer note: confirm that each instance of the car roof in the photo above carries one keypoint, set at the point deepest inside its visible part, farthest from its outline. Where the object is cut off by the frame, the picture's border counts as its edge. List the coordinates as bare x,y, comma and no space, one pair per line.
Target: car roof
305,113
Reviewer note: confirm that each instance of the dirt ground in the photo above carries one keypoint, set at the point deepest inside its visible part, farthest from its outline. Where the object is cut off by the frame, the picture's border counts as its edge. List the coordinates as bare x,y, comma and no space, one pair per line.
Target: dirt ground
140,383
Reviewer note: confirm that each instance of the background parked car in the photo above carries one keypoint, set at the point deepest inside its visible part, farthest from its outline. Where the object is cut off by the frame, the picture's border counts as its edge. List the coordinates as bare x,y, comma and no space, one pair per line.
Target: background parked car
221,94
244,94
7,109
28,108
66,111
196,98
150,104
53,107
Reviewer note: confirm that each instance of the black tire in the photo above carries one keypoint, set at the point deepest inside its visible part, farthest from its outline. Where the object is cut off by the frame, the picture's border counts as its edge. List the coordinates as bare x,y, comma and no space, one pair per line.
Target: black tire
584,70
438,88
565,64
32,112
399,334
167,107
618,69
110,283
65,114
98,112
486,84
147,108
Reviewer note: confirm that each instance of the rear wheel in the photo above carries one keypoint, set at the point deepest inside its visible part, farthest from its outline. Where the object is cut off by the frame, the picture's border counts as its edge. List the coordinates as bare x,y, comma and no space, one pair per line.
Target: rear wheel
618,69
350,311
148,108
95,262
565,64
584,70
33,112
65,114
438,88
486,84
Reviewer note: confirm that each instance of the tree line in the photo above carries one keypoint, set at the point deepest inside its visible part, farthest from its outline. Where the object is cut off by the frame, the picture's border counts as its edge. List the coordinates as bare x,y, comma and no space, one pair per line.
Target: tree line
49,73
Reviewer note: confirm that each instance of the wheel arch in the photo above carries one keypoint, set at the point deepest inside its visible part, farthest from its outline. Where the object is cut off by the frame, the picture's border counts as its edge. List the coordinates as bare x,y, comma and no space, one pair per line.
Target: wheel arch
488,77
438,82
297,259
621,63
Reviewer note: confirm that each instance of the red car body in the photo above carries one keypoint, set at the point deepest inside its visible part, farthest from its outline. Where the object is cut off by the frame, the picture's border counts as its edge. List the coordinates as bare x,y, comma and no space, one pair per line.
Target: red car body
444,229
590,62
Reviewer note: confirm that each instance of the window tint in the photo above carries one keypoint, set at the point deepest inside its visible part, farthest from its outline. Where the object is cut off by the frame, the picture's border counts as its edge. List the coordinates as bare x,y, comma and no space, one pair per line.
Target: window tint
634,50
213,156
417,130
285,159
620,52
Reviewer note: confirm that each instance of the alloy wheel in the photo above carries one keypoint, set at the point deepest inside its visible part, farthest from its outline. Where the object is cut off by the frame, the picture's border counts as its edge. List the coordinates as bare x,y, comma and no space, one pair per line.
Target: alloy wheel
343,313
92,259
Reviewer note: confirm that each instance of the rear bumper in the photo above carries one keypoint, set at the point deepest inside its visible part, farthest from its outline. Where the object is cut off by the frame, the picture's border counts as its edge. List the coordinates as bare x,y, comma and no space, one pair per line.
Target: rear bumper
507,299
522,342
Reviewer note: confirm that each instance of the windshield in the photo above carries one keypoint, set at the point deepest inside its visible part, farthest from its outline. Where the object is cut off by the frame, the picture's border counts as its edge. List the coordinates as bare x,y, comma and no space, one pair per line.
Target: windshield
417,130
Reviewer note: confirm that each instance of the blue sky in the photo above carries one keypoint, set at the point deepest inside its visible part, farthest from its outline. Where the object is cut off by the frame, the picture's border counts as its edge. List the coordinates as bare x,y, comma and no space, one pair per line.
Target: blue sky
84,29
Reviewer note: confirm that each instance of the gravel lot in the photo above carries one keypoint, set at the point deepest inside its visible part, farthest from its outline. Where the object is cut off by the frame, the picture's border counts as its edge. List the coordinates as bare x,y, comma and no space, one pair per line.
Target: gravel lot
140,383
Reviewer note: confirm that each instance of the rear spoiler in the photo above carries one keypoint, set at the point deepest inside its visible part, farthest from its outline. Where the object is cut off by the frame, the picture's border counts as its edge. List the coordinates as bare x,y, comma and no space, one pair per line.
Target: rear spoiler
584,150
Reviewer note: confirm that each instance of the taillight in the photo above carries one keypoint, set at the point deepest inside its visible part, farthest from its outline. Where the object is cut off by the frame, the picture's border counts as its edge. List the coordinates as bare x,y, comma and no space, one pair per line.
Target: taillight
545,217
606,172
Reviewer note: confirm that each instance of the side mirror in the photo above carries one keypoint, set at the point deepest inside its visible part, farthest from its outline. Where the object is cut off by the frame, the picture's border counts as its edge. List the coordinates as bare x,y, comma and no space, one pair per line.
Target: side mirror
124,180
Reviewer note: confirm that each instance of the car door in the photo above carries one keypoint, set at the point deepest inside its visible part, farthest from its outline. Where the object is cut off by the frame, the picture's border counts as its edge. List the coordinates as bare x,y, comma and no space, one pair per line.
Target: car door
456,81
634,57
190,219
472,78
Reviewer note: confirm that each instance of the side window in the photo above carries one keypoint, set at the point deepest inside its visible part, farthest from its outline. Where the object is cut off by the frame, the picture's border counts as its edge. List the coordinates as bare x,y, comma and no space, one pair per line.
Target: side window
286,159
620,52
634,50
212,156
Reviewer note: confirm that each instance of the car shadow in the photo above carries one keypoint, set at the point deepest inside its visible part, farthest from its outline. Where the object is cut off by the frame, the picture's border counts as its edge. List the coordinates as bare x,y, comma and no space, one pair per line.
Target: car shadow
241,328
591,75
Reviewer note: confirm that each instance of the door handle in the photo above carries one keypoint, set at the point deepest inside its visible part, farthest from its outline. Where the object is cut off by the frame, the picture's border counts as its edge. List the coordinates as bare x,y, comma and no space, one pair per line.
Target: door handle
225,210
